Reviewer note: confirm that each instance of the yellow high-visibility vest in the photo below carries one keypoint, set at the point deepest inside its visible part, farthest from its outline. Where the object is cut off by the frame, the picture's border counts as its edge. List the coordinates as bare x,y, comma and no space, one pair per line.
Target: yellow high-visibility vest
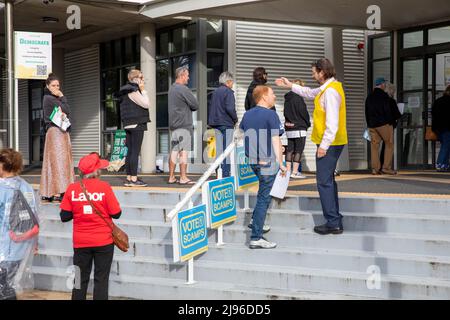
319,118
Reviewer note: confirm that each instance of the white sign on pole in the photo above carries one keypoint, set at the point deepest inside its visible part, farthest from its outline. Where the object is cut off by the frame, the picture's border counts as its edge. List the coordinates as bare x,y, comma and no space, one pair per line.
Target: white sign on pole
33,55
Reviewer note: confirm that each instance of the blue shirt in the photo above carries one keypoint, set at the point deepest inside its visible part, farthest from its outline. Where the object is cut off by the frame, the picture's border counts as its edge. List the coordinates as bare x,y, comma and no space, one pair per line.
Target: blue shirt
10,250
260,125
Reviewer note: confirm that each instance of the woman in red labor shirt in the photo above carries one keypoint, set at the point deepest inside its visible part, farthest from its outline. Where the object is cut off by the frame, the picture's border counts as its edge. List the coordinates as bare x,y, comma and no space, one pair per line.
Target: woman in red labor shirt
92,238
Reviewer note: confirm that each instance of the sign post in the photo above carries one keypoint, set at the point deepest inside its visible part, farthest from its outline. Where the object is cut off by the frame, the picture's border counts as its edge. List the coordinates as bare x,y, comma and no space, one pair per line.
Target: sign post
190,236
243,173
220,199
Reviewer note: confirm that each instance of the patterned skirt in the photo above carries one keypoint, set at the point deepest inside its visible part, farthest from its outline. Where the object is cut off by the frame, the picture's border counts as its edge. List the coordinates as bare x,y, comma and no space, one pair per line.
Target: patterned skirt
57,167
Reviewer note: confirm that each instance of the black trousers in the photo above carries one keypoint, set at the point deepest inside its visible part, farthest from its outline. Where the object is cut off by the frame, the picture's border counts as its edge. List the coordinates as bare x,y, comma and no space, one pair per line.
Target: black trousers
8,270
295,149
102,258
133,142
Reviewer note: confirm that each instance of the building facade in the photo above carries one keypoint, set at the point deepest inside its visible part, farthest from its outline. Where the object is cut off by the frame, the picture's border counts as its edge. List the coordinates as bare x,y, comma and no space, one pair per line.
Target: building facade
416,60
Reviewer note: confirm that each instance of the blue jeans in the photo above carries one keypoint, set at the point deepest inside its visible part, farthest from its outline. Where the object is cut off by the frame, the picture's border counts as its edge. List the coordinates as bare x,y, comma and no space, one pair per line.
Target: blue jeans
266,177
326,184
223,140
444,153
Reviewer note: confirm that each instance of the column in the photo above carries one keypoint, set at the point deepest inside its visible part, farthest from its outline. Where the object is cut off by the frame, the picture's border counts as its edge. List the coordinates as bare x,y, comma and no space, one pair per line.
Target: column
148,67
11,103
335,53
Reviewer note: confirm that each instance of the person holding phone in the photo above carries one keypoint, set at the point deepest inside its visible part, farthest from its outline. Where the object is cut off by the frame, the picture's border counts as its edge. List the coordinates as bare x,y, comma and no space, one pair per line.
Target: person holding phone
57,166
134,113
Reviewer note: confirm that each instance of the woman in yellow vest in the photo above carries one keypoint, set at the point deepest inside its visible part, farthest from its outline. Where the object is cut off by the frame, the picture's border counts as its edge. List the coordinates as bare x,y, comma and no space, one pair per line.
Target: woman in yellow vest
329,134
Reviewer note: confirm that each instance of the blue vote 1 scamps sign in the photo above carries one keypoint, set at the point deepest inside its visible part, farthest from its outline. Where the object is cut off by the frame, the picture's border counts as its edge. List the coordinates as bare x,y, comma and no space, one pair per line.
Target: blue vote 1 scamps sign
189,233
219,196
241,170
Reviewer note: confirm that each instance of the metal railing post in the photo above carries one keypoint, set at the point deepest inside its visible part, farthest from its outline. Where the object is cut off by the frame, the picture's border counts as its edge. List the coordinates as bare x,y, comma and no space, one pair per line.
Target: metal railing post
190,271
220,229
191,260
246,200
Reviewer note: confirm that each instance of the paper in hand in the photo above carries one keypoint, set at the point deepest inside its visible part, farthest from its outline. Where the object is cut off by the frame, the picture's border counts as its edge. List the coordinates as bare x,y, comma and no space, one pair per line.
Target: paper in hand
57,118
280,185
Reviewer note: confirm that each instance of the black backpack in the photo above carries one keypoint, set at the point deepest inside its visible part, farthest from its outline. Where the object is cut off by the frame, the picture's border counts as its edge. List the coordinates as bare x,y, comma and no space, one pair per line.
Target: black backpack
23,224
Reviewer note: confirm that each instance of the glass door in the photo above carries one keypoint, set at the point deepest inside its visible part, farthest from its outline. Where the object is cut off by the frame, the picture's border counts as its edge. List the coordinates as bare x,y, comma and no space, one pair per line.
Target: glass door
439,79
414,96
37,121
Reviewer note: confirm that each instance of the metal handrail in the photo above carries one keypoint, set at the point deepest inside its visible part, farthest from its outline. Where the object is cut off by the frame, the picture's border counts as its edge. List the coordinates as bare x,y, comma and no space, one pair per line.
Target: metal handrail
205,176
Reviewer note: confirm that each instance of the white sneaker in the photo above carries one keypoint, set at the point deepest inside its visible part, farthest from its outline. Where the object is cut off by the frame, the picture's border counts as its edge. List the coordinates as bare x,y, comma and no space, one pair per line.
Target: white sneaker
262,244
266,227
298,175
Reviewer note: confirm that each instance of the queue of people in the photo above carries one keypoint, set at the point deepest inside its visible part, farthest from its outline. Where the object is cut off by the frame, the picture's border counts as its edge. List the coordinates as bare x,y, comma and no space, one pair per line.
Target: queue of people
91,204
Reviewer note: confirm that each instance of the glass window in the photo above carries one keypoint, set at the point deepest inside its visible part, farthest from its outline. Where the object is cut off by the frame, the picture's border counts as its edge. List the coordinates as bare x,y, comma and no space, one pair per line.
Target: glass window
137,50
413,75
110,84
439,35
442,71
177,41
381,69
163,142
214,68
413,146
108,142
214,34
413,39
189,61
129,56
107,55
118,52
430,73
163,45
162,75
382,47
191,35
413,108
162,113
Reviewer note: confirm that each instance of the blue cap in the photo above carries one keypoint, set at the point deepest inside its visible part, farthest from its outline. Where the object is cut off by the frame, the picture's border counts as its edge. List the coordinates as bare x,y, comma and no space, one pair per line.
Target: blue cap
379,81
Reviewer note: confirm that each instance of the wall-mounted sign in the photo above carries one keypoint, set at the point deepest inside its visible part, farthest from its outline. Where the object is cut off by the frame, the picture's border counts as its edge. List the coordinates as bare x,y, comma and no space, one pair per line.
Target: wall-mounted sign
33,55
189,233
220,200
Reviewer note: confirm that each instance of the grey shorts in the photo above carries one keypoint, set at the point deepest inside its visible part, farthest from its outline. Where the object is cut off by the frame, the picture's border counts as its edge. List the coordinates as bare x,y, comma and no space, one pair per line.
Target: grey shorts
181,139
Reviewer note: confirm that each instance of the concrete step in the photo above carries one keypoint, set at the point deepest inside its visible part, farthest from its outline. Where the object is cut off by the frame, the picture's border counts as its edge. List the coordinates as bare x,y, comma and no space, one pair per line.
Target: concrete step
432,224
341,259
281,277
426,244
312,256
133,212
54,279
360,203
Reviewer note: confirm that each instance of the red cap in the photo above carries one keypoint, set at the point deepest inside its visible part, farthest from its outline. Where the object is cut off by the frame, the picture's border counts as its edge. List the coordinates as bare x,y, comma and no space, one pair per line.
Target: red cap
92,162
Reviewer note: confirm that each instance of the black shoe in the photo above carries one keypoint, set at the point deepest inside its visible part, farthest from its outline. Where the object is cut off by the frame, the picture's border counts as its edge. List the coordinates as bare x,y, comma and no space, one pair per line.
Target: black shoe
324,229
138,183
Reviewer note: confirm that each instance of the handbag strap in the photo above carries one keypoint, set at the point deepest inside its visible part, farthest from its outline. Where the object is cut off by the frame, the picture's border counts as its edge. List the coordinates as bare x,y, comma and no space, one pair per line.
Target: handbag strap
93,206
